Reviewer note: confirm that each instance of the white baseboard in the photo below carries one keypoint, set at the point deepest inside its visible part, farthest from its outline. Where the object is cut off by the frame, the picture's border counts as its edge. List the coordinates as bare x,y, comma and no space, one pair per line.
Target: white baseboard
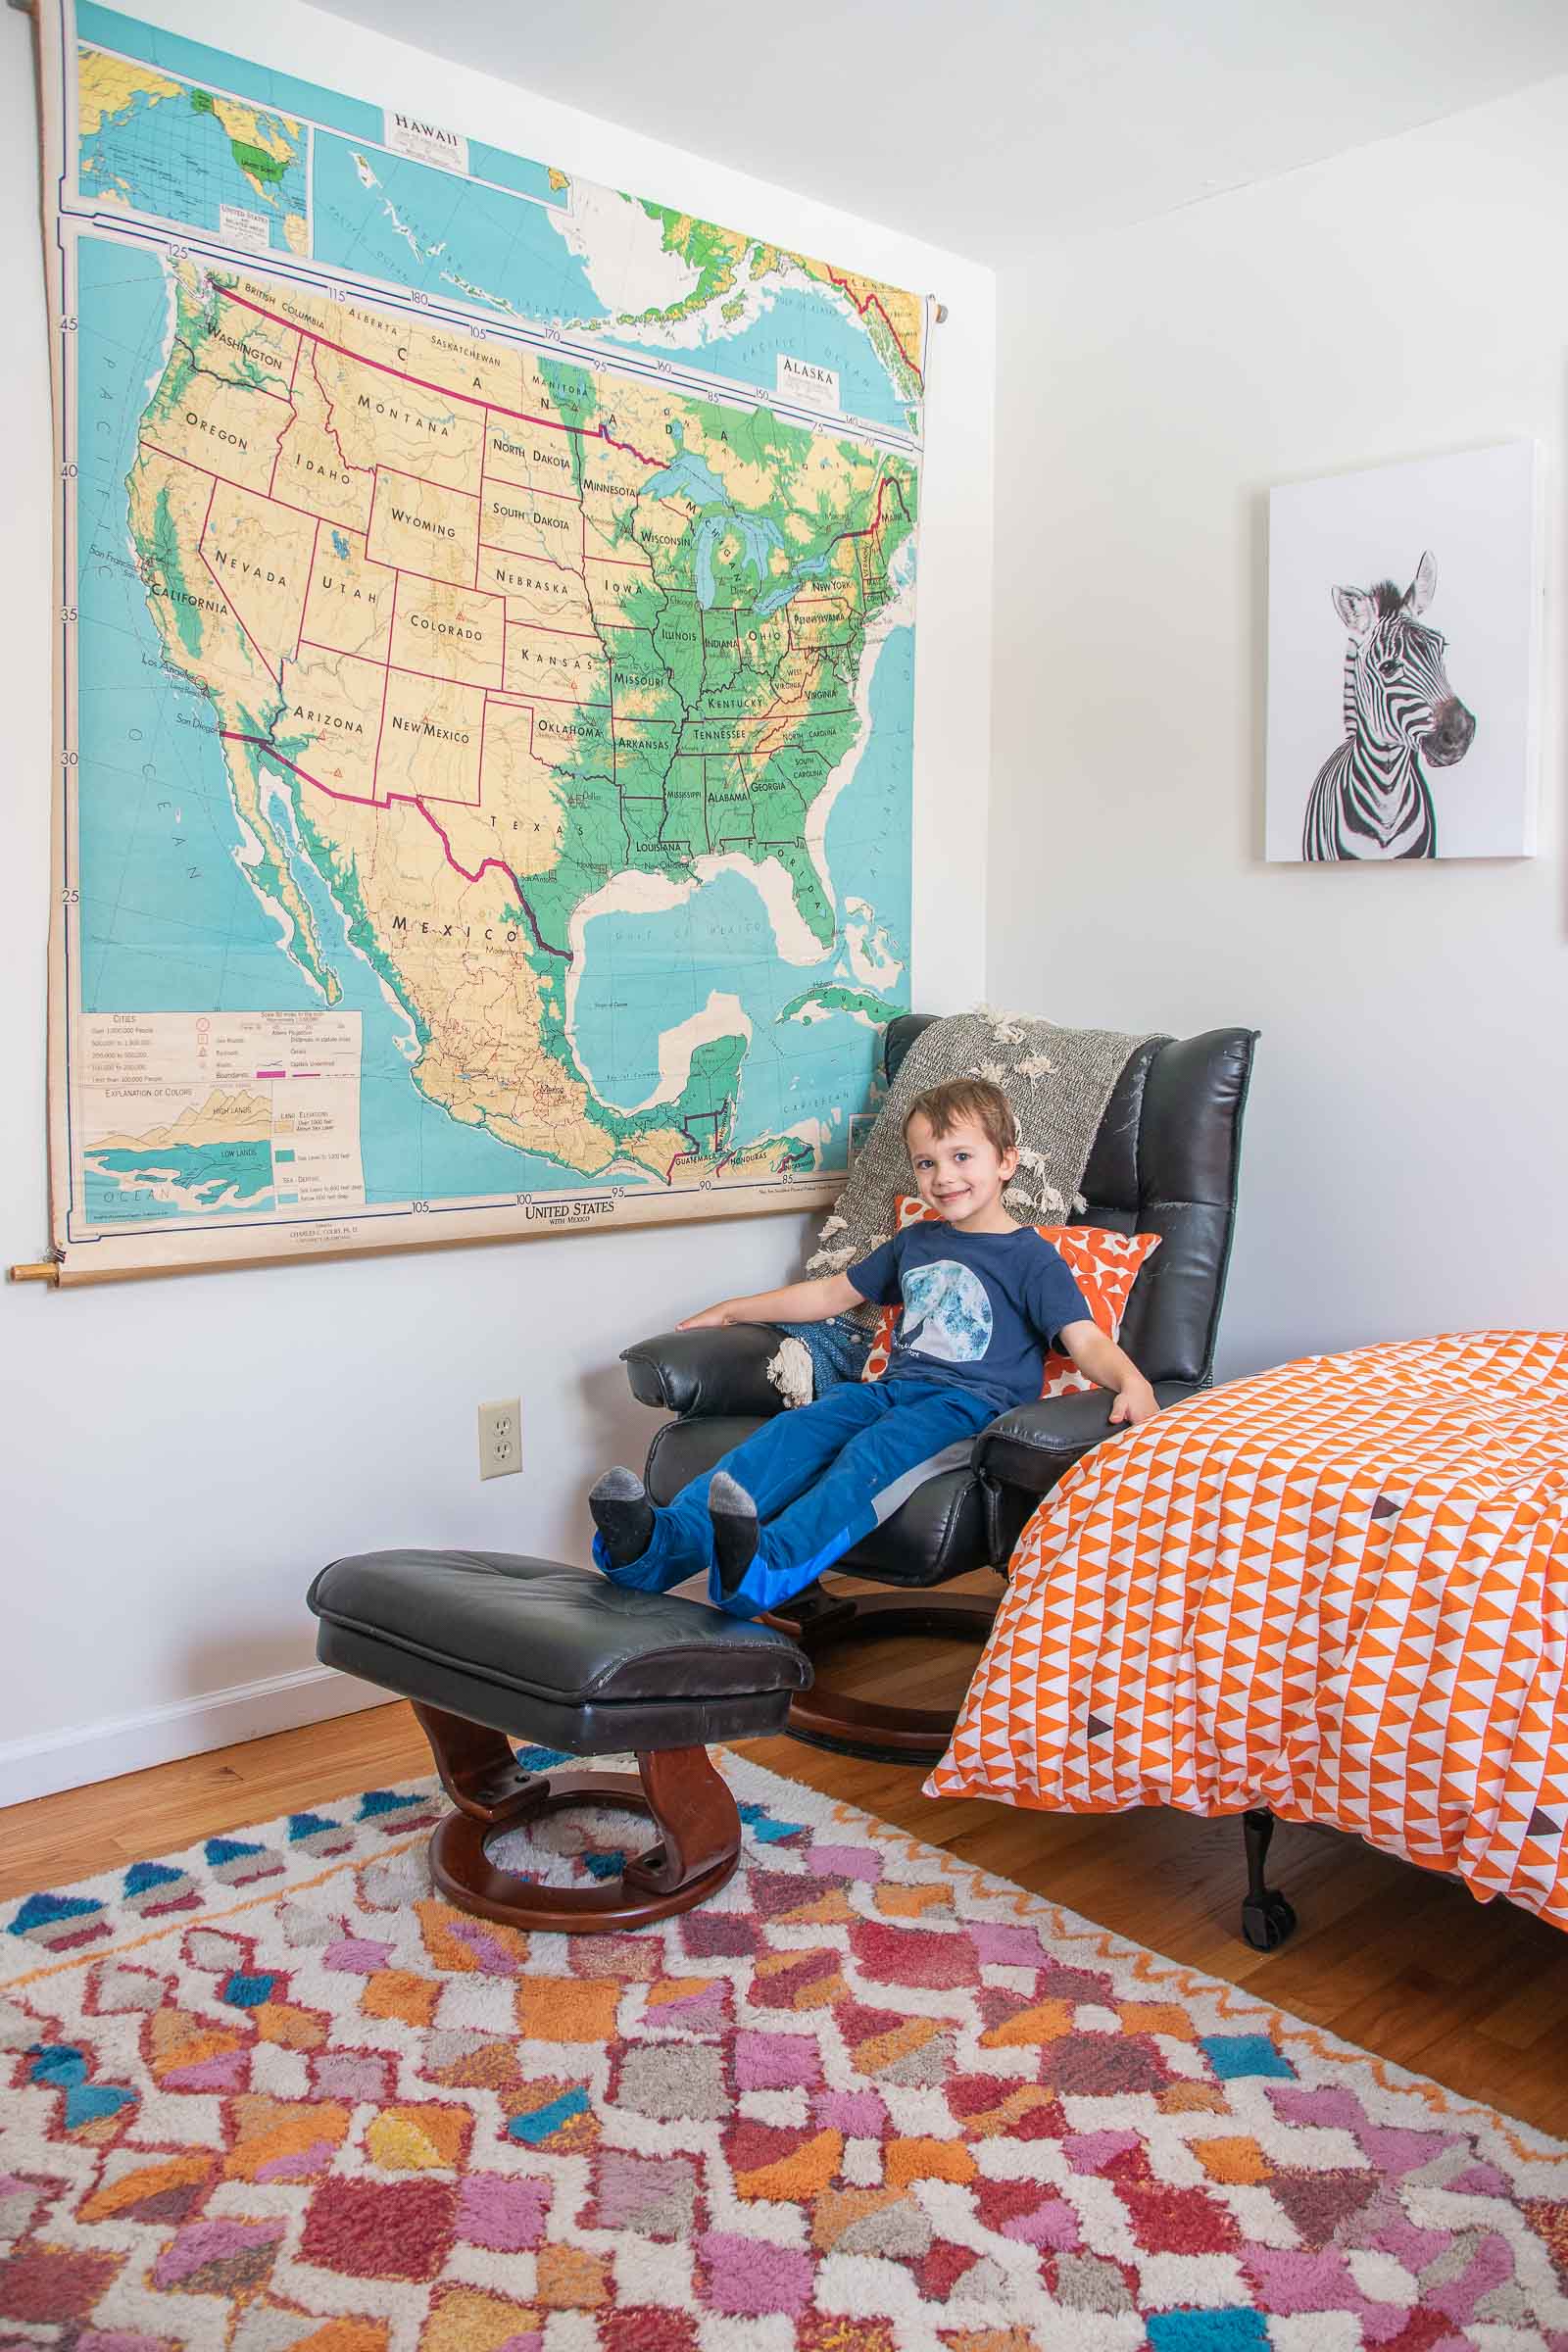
187,1727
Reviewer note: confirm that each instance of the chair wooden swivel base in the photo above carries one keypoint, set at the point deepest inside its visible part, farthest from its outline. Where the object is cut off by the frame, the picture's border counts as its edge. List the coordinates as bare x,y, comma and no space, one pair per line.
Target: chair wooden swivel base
849,1722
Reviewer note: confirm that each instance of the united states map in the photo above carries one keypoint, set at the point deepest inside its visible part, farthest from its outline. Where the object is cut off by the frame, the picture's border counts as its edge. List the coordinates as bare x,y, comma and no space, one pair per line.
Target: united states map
486,748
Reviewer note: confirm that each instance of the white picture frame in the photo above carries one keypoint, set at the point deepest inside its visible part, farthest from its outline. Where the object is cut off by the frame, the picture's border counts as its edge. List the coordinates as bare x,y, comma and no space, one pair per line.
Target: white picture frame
1385,587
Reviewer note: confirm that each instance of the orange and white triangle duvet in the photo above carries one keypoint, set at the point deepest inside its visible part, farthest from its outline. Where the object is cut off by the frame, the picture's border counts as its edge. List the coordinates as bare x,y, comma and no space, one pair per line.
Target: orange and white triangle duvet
1339,1590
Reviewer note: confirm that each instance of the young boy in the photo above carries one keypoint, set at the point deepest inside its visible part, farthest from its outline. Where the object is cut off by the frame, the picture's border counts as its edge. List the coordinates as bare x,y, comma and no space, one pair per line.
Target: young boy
983,1300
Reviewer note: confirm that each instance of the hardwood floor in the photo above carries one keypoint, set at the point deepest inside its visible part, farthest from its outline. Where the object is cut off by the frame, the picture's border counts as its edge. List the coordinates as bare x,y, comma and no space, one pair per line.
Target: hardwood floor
1389,1956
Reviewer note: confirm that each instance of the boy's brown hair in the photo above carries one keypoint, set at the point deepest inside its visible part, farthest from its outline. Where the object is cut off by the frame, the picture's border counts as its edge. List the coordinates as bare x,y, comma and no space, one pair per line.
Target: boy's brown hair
942,1107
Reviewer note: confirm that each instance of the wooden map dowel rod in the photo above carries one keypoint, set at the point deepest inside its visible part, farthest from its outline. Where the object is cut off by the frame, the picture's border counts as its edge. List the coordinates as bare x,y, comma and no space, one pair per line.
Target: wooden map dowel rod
39,1269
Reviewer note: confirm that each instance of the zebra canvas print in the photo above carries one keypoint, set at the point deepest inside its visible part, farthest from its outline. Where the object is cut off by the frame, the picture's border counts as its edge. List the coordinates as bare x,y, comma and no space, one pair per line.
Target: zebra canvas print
1373,756
1370,799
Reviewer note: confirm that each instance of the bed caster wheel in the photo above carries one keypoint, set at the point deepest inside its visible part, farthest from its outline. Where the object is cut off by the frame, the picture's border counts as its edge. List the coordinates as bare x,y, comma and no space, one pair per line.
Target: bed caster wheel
1267,1921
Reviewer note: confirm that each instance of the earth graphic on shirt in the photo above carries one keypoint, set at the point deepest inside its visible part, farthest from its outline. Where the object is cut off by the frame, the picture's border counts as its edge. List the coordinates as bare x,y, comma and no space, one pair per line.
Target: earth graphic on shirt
947,1314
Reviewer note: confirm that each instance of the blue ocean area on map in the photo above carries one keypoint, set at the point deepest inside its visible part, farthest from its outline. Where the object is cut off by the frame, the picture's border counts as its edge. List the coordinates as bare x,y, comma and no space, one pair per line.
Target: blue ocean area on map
516,172
169,922
449,236
644,975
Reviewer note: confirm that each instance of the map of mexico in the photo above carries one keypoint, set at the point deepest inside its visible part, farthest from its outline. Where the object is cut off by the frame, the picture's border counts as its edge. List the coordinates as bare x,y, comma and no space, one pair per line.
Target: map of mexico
547,704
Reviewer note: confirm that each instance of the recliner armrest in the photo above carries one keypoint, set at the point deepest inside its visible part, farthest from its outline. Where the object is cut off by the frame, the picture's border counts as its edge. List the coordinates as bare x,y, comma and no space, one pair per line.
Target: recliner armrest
1031,1445
720,1369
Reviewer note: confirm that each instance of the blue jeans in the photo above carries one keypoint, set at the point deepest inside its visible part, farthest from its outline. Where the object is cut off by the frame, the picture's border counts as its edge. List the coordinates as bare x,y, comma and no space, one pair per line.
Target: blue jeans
821,1476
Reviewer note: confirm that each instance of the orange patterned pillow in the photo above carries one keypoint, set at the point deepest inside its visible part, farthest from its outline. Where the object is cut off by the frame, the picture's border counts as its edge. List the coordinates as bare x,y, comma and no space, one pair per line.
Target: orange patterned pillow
1104,1265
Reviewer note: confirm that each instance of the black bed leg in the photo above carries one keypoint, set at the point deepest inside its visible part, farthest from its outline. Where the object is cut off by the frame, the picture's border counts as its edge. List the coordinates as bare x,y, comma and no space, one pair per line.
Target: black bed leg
1266,1917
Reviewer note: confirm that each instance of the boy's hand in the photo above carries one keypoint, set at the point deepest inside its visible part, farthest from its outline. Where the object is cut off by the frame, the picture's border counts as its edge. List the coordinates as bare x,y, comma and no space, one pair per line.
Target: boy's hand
1136,1402
711,1318
1094,1352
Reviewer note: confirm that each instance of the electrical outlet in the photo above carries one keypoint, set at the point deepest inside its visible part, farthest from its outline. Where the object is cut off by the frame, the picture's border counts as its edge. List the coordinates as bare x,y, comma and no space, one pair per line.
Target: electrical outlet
501,1438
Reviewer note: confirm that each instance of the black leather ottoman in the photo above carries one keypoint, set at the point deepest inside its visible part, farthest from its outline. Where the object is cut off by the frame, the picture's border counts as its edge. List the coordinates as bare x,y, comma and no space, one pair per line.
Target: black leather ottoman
492,1647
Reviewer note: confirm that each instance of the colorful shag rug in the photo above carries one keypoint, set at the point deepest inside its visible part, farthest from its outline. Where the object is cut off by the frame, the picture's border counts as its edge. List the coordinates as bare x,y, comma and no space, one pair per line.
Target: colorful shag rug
272,2096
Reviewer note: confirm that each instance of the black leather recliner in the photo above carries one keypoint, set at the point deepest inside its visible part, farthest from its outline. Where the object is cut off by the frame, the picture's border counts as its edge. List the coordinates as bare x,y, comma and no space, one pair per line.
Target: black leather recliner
1165,1161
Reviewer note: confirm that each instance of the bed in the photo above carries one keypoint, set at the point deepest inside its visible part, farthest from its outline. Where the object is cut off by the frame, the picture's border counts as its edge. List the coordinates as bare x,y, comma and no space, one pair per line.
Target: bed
1337,1591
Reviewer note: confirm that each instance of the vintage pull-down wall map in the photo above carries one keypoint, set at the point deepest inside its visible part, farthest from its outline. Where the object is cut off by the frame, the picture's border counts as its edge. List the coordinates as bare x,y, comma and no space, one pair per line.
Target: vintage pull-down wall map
486,679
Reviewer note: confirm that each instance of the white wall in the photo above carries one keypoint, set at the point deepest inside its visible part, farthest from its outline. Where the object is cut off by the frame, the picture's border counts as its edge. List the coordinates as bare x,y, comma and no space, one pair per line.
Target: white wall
1407,1142
177,1457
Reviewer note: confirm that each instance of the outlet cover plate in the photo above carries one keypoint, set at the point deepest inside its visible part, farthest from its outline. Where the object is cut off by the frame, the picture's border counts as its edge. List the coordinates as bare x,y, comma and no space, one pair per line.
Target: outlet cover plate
501,1438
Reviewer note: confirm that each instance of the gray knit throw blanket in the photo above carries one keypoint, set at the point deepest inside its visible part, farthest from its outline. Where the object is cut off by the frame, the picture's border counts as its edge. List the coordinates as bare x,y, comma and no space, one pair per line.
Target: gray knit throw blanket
1059,1082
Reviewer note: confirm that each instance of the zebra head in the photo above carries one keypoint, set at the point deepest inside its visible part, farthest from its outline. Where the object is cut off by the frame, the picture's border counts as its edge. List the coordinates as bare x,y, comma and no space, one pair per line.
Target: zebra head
1396,692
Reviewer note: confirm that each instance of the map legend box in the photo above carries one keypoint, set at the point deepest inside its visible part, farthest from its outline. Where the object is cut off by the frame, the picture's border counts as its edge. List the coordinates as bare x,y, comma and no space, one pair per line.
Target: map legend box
185,1115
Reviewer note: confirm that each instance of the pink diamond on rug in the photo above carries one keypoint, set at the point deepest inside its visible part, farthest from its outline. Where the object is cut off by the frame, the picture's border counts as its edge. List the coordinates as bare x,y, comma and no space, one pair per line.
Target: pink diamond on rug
508,2216
747,2277
776,2061
866,2100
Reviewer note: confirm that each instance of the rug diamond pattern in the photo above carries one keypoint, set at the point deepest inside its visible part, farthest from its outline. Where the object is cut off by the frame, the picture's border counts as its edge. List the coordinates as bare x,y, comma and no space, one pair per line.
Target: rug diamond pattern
272,2096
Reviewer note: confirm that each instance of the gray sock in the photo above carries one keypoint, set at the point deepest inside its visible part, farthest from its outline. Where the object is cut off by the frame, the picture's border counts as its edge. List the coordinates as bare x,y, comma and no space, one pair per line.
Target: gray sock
734,1516
622,1514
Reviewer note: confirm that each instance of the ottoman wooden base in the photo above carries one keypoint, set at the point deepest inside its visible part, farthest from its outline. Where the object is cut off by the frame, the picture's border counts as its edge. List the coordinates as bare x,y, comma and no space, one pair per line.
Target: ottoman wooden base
494,1647
694,1813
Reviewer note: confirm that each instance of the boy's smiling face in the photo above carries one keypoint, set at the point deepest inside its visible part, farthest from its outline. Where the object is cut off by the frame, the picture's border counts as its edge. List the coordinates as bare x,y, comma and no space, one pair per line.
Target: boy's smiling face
961,1174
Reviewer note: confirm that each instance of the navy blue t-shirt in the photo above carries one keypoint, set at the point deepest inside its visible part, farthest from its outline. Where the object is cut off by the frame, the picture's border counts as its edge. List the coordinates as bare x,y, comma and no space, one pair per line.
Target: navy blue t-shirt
980,1310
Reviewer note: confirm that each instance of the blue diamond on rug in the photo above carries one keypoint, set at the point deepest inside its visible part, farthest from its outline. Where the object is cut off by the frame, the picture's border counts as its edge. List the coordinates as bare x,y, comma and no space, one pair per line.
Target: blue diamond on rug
1233,2055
